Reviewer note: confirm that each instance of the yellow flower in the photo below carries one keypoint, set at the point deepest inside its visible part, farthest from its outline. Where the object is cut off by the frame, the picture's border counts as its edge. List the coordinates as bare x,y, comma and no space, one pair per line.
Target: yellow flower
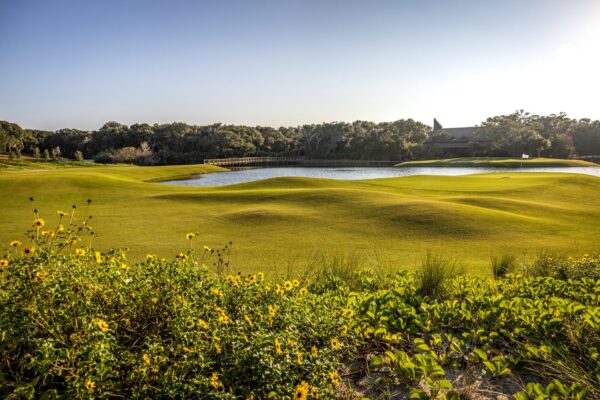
278,347
288,285
279,290
206,248
214,381
261,276
71,241
61,227
335,344
80,252
28,251
146,358
248,320
102,324
272,310
150,257
15,243
296,282
348,312
217,348
189,236
98,256
90,385
301,392
41,275
314,352
303,291
335,378
61,213
124,266
4,263
203,324
299,357
314,393
344,329
218,292
39,222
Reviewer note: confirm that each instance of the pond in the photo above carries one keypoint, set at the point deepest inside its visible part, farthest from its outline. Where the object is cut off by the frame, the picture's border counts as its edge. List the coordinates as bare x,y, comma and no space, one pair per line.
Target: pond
353,173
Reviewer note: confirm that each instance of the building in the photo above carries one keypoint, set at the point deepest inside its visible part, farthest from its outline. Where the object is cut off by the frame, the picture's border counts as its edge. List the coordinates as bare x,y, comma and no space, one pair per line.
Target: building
453,141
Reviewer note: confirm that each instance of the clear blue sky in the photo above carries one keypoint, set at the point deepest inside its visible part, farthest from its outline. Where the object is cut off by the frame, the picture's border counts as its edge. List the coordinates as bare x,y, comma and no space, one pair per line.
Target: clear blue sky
282,62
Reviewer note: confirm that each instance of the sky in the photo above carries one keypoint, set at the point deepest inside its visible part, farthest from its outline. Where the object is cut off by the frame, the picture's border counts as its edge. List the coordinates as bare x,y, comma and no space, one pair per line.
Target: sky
81,63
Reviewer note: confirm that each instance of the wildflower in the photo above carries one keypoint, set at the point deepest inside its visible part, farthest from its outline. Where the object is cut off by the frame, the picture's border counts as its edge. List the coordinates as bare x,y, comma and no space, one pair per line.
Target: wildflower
224,319
314,352
335,344
39,223
80,252
182,256
279,290
288,285
102,324
28,251
90,385
296,282
314,392
15,243
344,329
214,381
150,257
41,275
272,310
206,248
218,292
61,227
278,347
335,378
248,320
98,257
203,324
301,392
299,357
61,213
217,347
71,241
146,358
303,291
347,312
124,266
261,276
190,236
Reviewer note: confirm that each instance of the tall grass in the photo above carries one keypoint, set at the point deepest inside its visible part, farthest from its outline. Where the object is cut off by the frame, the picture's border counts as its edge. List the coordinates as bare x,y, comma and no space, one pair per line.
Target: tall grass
503,265
434,275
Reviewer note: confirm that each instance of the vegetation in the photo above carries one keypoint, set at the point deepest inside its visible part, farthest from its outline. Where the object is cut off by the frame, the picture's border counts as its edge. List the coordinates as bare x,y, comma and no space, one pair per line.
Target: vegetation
498,162
555,136
79,323
276,224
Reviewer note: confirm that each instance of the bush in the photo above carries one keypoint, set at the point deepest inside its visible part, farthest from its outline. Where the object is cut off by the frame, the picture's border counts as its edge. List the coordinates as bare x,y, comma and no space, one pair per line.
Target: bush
75,323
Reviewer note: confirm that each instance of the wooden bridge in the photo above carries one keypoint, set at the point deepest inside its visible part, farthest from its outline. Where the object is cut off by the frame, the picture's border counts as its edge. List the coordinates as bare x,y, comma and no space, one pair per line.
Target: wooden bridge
299,161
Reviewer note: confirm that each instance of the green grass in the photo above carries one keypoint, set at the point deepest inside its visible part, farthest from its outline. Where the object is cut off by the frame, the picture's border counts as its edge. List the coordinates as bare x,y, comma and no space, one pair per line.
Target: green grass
277,223
500,162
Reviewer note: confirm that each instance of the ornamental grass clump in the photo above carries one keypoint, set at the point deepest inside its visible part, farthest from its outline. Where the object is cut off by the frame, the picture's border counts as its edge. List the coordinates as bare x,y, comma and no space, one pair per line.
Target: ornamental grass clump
77,322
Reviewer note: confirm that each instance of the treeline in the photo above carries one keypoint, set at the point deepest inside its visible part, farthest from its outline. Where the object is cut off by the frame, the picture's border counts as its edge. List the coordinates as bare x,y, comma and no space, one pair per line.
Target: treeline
181,143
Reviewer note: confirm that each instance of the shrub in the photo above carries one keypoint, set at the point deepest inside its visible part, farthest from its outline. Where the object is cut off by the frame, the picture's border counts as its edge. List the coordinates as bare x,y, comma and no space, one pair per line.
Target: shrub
76,322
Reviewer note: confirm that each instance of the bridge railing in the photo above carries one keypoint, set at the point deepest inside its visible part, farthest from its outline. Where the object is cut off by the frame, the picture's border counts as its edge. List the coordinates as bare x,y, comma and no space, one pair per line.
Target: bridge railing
261,161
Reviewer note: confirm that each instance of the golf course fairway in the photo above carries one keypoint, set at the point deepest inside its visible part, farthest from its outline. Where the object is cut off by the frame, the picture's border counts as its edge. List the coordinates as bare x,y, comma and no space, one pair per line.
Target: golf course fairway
279,224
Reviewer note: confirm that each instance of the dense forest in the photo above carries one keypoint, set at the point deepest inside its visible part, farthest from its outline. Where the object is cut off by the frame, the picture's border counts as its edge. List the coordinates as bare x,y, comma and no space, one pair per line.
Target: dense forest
555,135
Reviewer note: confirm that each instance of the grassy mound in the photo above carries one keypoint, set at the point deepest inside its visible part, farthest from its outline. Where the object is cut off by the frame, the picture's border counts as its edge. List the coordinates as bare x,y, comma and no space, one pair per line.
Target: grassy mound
498,162
275,224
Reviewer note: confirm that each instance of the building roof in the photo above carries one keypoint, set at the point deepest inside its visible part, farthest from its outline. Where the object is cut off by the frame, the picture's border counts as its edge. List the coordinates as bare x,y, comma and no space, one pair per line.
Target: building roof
460,133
